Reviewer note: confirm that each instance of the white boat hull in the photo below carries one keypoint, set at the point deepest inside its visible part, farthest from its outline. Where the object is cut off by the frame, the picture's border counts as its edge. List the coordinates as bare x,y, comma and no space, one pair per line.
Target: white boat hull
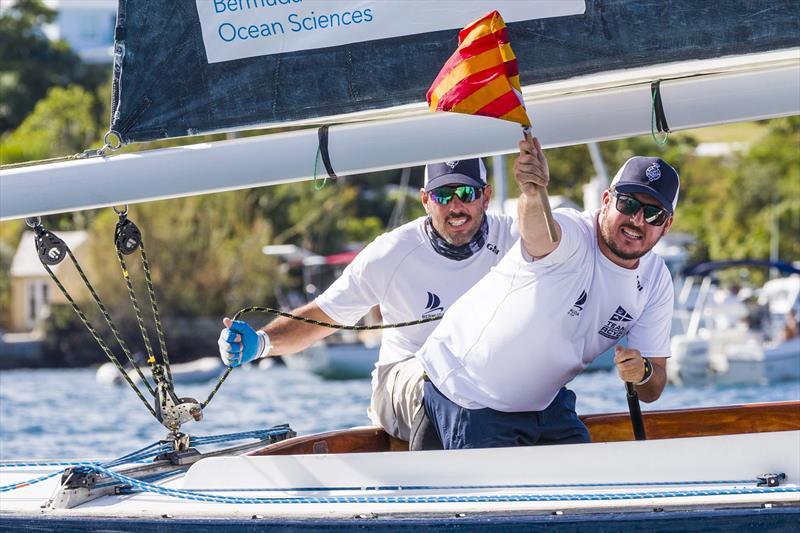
699,471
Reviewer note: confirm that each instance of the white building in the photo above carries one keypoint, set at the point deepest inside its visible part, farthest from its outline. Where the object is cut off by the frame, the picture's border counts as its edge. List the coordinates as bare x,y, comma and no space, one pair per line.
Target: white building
87,25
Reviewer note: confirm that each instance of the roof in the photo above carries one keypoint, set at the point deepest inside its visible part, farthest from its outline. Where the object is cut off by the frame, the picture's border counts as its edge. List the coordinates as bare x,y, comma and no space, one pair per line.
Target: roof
26,261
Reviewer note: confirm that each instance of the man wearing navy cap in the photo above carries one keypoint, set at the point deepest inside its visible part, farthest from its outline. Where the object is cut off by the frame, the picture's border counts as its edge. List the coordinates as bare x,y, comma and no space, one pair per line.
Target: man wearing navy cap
497,365
415,271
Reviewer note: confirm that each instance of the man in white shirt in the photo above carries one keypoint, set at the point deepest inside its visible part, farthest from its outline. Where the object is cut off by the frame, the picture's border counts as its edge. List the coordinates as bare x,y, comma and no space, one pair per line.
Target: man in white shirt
415,271
497,364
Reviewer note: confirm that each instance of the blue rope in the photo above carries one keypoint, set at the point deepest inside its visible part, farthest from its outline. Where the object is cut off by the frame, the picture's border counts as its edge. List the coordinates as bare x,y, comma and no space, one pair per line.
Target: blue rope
203,497
140,455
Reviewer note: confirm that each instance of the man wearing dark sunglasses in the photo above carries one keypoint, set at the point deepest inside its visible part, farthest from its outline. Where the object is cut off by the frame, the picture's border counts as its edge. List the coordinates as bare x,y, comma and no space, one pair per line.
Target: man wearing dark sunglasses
497,365
415,271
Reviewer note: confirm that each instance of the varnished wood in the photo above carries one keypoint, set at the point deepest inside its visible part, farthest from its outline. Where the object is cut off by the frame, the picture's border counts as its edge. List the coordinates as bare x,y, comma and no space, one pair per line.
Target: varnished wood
614,427
705,421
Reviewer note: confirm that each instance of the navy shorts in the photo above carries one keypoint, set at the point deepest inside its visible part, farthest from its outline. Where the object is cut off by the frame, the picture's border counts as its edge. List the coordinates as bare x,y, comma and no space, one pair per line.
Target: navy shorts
459,427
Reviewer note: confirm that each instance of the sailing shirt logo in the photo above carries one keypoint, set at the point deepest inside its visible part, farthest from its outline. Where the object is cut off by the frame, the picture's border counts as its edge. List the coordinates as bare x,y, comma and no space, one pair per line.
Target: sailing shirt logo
577,307
615,328
452,164
433,307
639,284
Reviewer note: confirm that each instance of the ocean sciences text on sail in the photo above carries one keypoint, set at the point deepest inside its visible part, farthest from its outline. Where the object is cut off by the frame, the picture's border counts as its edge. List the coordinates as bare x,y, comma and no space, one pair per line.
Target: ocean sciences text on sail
294,22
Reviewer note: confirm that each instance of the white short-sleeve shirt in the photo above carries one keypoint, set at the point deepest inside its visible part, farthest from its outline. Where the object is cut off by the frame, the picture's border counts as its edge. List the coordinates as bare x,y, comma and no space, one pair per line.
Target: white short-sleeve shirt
529,327
401,272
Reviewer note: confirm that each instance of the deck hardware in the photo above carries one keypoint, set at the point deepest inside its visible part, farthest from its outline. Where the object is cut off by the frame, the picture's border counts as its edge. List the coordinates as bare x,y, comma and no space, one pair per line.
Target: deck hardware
127,236
179,458
770,480
78,478
366,516
459,515
50,248
166,515
658,509
558,513
766,506
257,517
172,411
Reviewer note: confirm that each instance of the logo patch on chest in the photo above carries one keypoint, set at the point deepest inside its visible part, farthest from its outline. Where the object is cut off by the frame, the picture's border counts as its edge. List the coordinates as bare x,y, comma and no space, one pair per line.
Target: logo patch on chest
616,326
577,307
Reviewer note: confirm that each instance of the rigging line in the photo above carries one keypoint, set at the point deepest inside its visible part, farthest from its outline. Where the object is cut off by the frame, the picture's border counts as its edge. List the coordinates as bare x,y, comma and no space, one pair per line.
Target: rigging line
371,327
107,316
100,341
162,344
139,320
128,237
11,166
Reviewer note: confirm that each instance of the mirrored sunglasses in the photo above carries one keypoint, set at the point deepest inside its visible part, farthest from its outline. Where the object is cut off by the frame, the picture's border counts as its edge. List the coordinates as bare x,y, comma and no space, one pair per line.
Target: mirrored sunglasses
628,205
465,193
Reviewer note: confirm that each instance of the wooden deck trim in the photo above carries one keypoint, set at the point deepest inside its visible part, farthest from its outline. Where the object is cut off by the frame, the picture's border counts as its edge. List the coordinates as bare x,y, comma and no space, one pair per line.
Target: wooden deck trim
613,427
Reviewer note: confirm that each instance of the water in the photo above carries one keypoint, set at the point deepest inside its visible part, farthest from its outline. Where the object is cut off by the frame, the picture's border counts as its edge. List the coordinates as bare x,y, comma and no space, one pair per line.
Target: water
67,414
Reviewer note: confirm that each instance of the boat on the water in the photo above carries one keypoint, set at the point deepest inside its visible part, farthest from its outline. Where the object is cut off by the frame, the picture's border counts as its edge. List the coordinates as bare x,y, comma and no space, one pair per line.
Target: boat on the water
200,370
722,341
735,466
593,72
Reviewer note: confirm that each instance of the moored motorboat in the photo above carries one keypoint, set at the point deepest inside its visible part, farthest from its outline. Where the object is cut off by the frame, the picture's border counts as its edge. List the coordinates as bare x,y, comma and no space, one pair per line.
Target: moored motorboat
200,370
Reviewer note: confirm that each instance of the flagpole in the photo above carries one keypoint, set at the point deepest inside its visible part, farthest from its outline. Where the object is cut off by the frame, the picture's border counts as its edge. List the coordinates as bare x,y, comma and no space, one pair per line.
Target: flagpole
543,198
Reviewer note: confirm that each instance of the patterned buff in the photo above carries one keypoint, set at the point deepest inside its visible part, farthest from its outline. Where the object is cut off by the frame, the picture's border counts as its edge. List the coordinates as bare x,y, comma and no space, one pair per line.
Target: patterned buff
457,253
482,76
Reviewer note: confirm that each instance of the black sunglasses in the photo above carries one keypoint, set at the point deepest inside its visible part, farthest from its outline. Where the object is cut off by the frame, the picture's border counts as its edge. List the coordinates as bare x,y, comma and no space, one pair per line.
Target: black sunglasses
628,205
466,193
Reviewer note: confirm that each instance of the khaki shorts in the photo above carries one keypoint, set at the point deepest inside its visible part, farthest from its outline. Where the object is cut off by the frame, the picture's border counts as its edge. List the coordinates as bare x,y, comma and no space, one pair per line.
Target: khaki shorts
397,396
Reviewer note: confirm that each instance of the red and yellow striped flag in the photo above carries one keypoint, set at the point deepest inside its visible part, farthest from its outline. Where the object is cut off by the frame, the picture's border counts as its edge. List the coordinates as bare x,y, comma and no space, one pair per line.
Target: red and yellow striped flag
481,77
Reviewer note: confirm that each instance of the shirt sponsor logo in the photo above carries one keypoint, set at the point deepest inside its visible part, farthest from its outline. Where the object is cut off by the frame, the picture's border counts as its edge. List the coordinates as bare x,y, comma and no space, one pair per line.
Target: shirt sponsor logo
639,284
616,327
433,307
493,248
577,307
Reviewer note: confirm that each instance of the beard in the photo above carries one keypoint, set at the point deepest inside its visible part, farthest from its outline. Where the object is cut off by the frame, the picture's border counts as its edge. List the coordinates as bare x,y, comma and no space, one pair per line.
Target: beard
616,249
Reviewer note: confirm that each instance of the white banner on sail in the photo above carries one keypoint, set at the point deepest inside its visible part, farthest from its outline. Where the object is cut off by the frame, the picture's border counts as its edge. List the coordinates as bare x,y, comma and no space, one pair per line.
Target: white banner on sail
235,29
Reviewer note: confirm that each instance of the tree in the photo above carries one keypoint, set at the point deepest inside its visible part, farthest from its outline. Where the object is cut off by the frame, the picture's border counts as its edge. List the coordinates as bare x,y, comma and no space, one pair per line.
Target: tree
30,63
63,123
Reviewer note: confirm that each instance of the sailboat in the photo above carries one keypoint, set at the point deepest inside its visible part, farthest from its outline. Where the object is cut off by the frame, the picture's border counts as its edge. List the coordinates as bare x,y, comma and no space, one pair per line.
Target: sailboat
595,71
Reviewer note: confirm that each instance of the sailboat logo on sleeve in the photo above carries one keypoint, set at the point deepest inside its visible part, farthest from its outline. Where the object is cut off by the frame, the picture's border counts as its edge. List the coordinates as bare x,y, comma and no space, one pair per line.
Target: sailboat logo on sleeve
616,326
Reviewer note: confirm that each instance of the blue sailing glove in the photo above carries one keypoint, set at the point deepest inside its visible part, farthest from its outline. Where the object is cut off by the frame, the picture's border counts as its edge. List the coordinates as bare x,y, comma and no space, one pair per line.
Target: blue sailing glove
239,344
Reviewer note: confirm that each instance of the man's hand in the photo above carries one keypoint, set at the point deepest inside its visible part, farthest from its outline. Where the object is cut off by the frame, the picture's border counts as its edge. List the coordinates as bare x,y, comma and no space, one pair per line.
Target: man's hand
530,169
239,343
630,364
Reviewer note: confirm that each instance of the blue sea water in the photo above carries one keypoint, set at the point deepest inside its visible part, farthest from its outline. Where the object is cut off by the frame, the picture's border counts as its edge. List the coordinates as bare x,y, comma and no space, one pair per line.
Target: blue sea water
67,414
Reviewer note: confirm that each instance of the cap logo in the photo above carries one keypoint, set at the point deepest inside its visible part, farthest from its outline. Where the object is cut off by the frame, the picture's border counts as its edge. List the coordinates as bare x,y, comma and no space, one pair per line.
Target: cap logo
452,164
653,172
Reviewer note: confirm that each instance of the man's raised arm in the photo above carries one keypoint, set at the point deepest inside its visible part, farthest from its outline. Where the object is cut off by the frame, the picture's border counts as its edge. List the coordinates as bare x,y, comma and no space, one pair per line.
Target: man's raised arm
531,172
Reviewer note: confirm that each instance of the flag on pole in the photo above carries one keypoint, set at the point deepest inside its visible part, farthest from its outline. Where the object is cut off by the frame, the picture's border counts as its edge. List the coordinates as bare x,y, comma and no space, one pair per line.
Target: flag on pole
482,76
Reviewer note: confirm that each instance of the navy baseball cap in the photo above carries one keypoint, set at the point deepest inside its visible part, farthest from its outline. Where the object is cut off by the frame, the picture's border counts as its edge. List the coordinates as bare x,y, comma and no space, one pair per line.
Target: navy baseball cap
464,172
649,175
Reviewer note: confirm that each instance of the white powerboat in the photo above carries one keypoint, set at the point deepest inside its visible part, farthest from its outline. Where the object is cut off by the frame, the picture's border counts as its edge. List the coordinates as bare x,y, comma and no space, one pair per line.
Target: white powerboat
719,346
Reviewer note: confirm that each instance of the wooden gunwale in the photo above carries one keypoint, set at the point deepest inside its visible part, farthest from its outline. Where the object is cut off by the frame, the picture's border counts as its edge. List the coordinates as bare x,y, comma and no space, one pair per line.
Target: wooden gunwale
612,427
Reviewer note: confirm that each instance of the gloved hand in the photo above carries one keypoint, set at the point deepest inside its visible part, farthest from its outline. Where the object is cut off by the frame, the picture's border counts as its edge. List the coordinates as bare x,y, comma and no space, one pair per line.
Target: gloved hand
239,343
630,364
